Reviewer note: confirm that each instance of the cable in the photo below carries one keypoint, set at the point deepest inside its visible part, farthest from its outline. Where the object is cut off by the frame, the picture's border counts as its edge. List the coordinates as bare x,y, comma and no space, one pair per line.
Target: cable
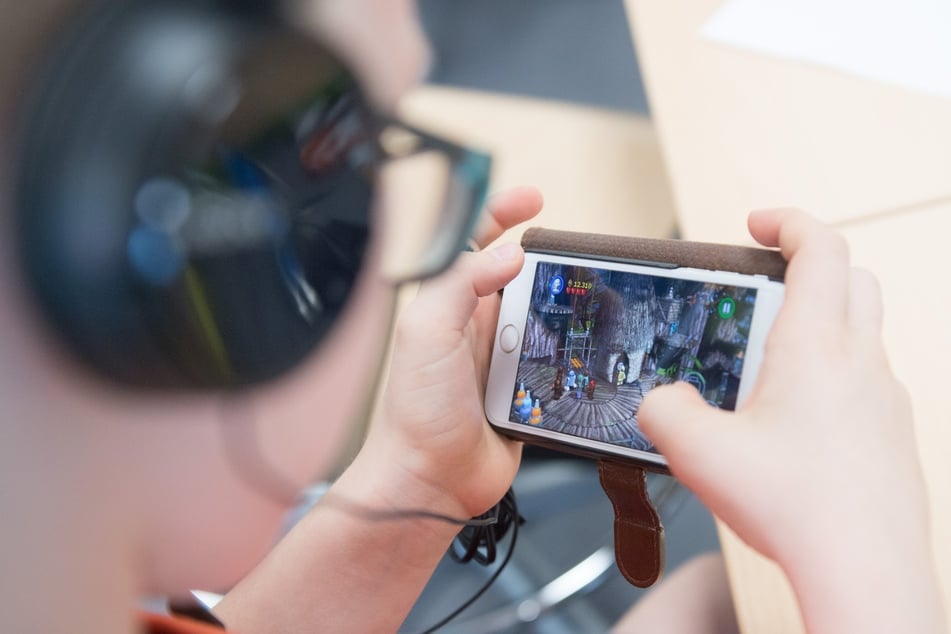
477,541
507,513
380,515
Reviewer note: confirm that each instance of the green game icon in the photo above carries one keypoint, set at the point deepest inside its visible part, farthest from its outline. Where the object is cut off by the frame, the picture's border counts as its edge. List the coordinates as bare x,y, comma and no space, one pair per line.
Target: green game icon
726,308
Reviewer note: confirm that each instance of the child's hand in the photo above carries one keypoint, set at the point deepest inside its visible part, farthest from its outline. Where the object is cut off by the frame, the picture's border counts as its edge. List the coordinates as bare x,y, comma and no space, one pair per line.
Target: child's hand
433,425
819,468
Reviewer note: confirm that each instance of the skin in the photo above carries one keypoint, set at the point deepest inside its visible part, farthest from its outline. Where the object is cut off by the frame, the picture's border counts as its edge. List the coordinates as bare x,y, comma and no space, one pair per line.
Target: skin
108,520
431,449
109,495
829,486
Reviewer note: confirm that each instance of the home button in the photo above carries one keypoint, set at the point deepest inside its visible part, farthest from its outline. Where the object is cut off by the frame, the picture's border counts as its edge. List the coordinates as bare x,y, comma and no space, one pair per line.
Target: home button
508,338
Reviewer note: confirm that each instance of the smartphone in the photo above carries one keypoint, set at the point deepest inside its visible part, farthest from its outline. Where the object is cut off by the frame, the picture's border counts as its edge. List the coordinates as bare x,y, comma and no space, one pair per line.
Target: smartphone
580,342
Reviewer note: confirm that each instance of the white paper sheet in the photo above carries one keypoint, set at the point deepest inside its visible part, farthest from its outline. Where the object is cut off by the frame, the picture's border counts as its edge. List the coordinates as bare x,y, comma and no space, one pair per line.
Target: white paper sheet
902,42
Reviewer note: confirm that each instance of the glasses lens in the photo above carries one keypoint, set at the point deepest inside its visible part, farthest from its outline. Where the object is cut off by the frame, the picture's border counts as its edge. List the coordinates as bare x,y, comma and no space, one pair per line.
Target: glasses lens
434,194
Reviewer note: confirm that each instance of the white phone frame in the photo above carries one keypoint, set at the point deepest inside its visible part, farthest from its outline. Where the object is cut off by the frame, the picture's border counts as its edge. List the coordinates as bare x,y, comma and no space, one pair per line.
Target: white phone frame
514,313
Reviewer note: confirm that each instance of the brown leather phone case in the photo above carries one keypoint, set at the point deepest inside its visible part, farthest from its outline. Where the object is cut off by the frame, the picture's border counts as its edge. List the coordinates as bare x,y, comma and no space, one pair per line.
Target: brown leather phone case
638,532
662,253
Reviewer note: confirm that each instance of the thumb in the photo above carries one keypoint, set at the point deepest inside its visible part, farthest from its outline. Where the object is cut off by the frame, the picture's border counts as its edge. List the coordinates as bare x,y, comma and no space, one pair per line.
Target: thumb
450,299
686,429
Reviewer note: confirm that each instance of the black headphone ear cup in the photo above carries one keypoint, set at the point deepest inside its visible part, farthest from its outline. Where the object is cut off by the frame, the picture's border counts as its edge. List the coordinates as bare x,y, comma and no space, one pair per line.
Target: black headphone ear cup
164,258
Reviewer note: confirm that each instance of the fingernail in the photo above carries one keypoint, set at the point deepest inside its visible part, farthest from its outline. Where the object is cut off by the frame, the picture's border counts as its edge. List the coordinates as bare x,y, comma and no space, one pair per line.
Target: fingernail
506,252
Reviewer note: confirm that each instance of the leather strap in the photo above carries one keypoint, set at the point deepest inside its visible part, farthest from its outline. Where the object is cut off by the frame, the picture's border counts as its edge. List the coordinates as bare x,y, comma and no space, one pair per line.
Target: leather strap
638,532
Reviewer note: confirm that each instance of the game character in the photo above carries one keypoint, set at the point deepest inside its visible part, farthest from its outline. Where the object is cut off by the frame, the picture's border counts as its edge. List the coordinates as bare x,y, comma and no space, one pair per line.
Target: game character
525,411
621,374
572,381
590,389
519,396
558,387
536,418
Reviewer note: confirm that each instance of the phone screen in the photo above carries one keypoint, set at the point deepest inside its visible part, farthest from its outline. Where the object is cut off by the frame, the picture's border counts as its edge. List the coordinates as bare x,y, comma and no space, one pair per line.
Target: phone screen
596,341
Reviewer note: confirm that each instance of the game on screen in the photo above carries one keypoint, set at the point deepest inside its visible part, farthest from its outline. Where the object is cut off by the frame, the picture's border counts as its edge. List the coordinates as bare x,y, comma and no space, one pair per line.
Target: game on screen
596,341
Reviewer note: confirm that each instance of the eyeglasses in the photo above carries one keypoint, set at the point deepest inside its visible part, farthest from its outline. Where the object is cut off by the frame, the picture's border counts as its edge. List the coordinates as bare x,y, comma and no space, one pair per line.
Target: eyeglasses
198,191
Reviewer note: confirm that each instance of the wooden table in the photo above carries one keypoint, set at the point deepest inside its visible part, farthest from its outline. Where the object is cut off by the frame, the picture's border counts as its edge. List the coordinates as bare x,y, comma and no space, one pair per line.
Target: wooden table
740,131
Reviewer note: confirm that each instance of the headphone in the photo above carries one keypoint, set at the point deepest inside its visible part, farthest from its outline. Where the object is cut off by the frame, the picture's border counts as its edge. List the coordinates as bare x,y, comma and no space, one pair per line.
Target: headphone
194,191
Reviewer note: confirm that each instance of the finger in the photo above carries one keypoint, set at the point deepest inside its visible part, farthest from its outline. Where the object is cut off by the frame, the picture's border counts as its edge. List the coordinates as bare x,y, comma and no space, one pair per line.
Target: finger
685,429
865,303
448,301
505,210
818,275
764,224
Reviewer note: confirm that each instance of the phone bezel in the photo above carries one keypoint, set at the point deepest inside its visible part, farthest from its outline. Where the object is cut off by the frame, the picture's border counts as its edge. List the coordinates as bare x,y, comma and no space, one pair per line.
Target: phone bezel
514,312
